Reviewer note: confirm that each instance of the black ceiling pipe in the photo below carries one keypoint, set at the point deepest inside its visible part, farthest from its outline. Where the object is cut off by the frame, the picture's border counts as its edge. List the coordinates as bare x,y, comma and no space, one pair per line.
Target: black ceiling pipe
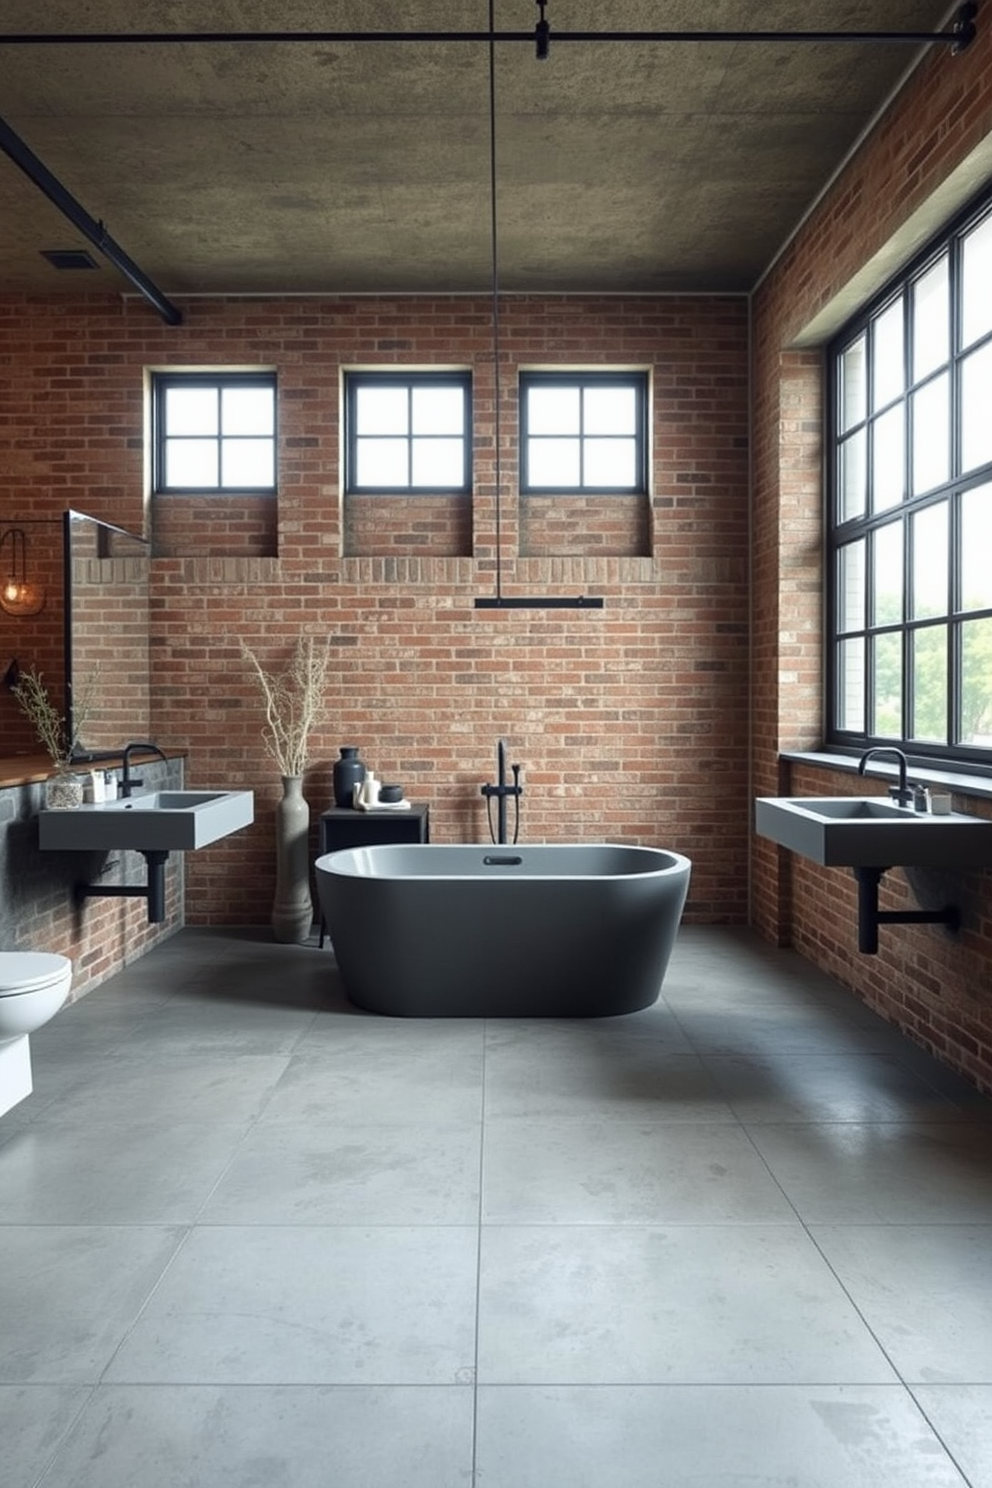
97,234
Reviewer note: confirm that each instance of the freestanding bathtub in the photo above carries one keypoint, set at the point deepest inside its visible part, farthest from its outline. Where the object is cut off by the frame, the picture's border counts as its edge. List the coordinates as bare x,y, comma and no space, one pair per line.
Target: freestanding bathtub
571,931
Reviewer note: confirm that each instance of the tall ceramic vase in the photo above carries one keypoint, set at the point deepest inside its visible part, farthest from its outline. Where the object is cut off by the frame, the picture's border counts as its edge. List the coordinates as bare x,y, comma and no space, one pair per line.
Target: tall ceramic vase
292,908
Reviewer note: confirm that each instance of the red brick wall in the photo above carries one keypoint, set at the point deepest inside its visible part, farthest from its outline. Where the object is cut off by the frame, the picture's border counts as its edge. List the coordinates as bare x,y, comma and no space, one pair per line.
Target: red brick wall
937,987
630,722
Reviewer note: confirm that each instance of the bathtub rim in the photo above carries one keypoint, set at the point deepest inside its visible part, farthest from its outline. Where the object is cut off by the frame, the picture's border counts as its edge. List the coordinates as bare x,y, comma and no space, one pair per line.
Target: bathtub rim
333,863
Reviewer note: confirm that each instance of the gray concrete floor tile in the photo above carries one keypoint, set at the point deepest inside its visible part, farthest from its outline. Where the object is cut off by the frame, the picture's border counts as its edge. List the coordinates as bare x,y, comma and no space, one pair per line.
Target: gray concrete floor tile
724,1304
841,1436
319,1305
962,1417
34,1420
269,1436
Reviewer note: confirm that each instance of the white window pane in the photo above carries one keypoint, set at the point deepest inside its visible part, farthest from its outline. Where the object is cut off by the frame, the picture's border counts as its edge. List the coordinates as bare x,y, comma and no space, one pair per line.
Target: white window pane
976,290
438,462
610,462
381,410
191,410
930,536
438,410
852,585
976,408
929,719
931,320
888,464
852,476
976,682
247,410
976,549
931,436
610,410
887,549
853,385
191,462
553,463
381,462
247,464
888,364
553,411
887,700
851,686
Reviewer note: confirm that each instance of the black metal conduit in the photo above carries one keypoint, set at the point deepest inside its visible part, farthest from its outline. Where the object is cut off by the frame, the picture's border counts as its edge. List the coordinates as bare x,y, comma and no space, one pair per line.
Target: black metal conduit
22,155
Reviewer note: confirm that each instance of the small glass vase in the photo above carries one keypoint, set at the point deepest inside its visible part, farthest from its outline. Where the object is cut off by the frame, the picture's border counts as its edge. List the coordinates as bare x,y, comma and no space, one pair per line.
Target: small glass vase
64,790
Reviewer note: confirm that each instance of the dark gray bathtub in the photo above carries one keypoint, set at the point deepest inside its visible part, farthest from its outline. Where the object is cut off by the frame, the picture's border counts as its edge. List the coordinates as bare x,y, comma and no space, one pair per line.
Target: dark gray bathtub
570,931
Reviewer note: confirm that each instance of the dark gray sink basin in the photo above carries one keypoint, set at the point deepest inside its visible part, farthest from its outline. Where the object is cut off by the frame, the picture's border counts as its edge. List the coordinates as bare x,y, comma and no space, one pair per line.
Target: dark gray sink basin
870,832
158,821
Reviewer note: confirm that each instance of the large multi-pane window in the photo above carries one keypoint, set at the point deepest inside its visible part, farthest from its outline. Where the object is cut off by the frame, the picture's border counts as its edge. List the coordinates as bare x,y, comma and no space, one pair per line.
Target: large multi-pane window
583,432
910,520
408,432
214,432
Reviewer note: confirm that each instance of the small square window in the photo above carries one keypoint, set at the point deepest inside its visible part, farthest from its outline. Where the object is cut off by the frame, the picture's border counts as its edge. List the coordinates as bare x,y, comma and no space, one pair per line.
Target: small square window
408,432
214,433
583,433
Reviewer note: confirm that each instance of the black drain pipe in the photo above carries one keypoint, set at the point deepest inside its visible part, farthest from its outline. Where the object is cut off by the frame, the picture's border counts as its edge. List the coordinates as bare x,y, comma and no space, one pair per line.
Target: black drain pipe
38,172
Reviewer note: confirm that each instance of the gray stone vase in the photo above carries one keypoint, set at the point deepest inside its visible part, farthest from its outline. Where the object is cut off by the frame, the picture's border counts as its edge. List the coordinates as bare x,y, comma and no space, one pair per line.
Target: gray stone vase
292,908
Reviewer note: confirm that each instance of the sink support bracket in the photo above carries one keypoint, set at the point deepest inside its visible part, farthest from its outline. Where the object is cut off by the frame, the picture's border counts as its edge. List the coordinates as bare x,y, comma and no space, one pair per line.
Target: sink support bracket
870,916
153,890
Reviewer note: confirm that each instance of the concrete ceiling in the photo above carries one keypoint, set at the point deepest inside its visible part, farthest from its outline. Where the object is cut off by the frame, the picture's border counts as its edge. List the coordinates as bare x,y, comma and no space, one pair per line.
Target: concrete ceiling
359,167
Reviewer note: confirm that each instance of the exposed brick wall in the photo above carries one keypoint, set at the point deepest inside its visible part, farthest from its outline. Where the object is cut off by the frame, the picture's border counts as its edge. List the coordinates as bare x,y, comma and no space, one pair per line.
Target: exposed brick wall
630,722
937,987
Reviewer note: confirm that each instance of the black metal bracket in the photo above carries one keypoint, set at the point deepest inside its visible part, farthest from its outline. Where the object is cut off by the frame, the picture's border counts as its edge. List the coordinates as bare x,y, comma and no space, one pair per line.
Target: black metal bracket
870,916
153,890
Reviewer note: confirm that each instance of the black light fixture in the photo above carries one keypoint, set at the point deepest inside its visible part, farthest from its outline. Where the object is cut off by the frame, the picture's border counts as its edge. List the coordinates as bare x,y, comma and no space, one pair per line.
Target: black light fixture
18,594
542,35
500,601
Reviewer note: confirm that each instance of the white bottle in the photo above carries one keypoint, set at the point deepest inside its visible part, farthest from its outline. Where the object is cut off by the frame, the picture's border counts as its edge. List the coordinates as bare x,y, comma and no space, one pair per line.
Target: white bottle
98,789
370,789
109,786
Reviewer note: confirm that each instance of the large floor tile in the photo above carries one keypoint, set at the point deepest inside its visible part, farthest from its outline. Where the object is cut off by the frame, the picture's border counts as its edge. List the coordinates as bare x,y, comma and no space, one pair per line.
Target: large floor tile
33,1421
962,1417
727,1304
607,1171
415,1081
707,1437
741,1029
69,1294
329,1174
814,1087
837,1173
269,1437
310,1306
138,1172
149,1086
925,1291
568,1071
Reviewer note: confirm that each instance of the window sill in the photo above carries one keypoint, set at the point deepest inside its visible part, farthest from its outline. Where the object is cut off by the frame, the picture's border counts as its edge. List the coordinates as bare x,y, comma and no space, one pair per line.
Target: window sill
955,781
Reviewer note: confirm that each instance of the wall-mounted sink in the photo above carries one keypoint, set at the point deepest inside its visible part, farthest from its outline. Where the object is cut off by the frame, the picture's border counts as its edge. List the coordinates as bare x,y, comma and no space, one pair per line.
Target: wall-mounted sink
863,831
156,821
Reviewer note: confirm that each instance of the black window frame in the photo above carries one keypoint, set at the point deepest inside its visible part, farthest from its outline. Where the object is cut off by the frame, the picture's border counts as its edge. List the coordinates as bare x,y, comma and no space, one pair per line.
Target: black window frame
637,380
840,532
162,382
355,380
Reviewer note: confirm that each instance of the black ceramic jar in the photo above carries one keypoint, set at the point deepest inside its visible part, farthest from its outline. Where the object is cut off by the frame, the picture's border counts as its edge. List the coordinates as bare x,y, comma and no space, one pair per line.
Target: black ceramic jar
348,772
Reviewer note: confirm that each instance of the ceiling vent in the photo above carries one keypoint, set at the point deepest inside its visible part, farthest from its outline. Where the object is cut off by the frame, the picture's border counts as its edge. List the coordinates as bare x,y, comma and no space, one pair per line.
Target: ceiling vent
69,258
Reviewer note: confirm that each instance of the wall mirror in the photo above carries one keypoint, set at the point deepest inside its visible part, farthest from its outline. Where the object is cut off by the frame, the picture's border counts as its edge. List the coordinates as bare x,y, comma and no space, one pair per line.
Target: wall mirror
108,686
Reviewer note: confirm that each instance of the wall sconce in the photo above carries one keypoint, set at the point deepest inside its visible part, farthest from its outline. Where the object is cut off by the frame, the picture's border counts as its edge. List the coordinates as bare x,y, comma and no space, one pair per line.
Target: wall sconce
18,595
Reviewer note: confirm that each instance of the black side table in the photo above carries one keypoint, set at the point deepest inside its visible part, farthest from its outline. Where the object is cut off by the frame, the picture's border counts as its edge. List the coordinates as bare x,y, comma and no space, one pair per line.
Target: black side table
343,826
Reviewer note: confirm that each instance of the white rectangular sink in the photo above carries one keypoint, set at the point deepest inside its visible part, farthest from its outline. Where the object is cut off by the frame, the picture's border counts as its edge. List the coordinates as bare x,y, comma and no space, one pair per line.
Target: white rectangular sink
155,821
865,832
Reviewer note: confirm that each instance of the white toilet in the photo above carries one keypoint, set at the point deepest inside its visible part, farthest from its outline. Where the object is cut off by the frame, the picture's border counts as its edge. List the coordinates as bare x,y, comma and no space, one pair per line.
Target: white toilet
33,986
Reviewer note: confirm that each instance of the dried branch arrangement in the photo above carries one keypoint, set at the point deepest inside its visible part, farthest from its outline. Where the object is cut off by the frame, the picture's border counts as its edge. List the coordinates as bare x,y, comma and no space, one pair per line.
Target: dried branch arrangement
49,724
294,703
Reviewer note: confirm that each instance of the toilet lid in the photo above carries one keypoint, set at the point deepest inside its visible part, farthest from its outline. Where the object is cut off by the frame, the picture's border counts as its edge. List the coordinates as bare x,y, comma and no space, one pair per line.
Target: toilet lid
26,971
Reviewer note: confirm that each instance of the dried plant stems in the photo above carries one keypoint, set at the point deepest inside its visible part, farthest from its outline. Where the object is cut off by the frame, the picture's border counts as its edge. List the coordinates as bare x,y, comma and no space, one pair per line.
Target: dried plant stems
294,703
49,724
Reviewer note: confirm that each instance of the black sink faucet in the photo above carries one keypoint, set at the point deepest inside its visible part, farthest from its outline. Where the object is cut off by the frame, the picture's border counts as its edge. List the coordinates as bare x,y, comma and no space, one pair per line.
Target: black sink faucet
901,792
128,781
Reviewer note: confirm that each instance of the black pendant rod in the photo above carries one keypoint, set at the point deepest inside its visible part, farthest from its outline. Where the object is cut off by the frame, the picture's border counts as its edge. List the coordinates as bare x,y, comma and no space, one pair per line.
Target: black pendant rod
494,259
24,157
